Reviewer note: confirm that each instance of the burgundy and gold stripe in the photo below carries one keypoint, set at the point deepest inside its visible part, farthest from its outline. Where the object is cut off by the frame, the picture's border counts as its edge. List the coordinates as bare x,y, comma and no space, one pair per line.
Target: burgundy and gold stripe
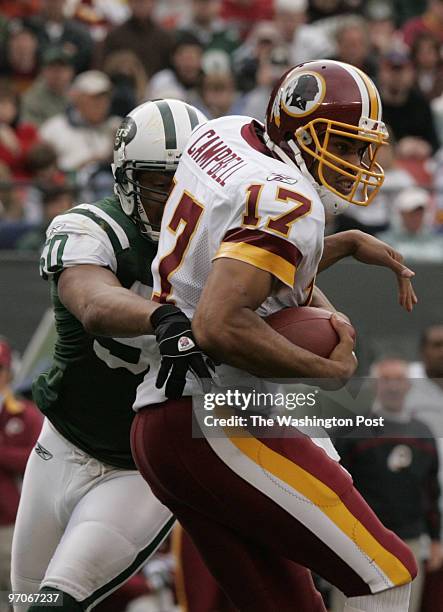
262,250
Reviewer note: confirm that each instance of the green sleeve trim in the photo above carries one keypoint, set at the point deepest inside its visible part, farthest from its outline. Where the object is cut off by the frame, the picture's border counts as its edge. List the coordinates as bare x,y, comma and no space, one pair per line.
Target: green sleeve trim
116,245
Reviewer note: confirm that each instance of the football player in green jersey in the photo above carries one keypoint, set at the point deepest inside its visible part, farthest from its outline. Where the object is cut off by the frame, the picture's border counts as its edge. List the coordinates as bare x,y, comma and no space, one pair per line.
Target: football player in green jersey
87,520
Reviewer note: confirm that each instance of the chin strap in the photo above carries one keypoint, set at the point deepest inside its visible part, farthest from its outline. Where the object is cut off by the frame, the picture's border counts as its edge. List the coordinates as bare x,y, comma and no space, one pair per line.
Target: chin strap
332,203
143,222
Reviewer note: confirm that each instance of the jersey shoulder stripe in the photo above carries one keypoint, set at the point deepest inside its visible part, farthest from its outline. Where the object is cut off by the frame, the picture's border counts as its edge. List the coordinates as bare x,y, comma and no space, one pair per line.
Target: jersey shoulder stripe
103,224
110,213
109,210
262,250
122,224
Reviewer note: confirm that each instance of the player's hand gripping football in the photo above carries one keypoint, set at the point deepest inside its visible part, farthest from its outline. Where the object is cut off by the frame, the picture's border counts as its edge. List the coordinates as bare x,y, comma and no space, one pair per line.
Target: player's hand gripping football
179,351
343,358
371,250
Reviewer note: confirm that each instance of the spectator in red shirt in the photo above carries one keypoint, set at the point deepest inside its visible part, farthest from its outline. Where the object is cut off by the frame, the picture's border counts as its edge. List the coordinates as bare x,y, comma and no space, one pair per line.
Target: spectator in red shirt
15,10
244,14
431,22
20,424
15,138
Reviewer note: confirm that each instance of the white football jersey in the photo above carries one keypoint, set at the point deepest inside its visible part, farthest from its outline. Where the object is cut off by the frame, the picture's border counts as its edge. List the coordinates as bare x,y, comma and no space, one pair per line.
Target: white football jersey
232,199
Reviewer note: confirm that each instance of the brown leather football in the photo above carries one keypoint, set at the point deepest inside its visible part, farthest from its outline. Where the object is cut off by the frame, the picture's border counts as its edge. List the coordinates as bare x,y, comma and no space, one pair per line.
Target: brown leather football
307,327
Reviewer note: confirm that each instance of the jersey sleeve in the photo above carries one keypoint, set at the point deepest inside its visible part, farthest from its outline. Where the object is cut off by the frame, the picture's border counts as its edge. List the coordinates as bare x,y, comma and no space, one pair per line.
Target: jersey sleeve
80,236
270,230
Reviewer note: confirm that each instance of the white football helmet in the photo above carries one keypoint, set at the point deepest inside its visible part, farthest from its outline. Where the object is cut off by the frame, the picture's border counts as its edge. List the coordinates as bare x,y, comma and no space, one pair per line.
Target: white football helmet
151,138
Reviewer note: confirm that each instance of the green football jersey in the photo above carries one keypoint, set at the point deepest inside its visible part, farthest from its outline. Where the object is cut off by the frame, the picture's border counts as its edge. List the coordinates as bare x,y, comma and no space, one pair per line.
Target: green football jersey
88,392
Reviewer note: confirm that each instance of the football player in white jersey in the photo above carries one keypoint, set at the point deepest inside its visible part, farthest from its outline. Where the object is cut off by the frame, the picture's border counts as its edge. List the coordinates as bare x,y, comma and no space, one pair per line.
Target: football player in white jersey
87,520
242,236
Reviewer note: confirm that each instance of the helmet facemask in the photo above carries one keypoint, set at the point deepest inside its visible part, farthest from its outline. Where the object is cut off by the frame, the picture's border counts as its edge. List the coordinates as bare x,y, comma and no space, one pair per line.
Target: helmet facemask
313,140
132,193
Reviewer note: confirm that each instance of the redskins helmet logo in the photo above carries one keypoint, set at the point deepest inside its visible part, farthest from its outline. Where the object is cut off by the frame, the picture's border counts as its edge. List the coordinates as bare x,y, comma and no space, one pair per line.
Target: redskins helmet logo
299,96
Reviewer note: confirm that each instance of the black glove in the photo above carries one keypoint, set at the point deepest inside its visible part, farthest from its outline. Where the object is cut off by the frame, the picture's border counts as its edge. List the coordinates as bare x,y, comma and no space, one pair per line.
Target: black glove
179,351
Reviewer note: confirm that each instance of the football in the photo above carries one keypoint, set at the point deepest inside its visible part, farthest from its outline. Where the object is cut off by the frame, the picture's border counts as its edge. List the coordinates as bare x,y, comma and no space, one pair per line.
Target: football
307,327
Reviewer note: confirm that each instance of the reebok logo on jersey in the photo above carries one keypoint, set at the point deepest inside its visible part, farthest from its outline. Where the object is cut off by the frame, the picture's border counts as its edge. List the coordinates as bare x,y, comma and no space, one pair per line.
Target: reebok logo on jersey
282,178
55,229
42,452
184,344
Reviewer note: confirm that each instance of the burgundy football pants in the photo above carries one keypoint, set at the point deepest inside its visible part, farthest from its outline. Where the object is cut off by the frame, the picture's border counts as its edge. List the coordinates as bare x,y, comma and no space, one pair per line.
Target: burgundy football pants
250,505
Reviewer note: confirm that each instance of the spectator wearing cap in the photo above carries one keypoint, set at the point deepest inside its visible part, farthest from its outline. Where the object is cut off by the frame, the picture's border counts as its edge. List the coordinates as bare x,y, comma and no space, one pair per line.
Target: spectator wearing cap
20,424
289,15
218,94
405,109
431,22
56,200
84,133
48,96
183,78
52,27
206,25
412,234
142,35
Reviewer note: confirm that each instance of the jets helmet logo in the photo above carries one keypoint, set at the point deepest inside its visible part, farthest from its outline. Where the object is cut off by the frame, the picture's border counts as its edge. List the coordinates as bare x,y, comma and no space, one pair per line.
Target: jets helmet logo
185,344
125,132
299,96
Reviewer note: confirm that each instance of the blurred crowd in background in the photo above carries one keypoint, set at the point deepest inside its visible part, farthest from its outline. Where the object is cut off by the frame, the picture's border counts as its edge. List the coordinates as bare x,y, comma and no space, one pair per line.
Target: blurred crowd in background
70,69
